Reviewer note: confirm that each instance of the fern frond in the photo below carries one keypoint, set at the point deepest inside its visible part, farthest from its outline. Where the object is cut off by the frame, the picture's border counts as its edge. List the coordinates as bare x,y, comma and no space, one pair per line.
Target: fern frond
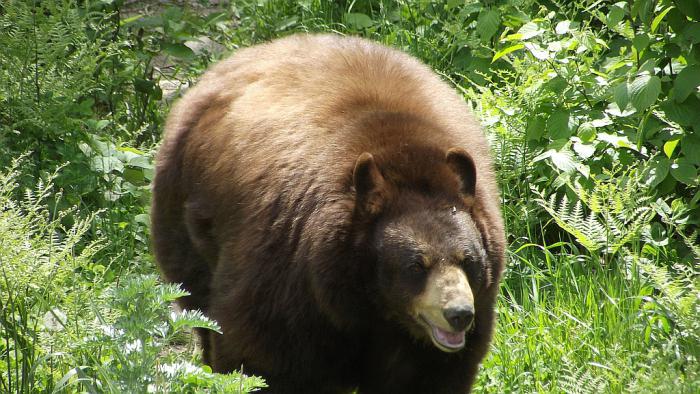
581,381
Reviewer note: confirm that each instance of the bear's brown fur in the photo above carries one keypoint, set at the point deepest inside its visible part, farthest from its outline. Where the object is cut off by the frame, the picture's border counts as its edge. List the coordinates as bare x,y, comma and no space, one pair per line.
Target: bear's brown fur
331,203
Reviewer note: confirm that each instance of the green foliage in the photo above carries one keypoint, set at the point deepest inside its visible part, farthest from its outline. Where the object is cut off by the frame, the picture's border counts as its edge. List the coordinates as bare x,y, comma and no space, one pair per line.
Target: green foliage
612,86
617,214
65,327
80,88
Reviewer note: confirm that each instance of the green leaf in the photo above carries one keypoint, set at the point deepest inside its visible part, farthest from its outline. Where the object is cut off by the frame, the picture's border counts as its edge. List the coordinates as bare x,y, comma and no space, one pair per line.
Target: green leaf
689,8
181,51
584,150
684,171
690,146
358,20
686,82
658,18
193,319
529,30
656,171
643,9
563,160
685,113
487,24
586,132
644,91
692,32
130,149
558,125
640,42
615,15
535,128
506,51
286,23
621,95
669,147
562,27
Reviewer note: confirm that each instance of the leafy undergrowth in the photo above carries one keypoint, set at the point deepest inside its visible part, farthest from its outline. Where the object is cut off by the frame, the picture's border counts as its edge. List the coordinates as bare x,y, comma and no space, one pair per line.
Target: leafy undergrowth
65,327
590,107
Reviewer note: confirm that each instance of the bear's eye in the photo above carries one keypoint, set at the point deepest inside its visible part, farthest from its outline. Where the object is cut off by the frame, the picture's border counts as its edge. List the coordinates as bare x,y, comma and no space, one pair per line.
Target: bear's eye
417,265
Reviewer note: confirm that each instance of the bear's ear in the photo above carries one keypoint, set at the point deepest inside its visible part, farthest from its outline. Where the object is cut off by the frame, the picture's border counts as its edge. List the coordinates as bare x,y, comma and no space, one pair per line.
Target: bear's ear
370,187
463,165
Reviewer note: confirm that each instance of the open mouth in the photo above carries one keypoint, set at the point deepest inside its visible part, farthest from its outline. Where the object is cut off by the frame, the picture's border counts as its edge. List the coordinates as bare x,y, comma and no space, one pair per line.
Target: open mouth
447,341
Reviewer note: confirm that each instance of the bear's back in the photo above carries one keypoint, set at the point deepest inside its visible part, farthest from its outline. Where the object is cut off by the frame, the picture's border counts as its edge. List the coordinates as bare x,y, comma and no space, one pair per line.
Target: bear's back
292,105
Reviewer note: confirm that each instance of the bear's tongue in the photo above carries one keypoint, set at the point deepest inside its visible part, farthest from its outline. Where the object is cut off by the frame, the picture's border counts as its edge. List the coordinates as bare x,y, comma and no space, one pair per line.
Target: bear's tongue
448,339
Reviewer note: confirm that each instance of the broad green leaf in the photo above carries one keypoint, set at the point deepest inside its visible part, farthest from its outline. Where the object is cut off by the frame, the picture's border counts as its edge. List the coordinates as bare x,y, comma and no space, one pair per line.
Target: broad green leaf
685,113
558,125
358,20
684,171
535,128
658,18
614,110
615,15
586,132
563,160
562,27
643,9
621,95
656,171
454,3
537,51
584,150
644,91
690,146
144,85
658,234
506,51
686,82
692,32
669,147
133,176
640,42
690,8
615,140
179,50
107,164
487,24
529,30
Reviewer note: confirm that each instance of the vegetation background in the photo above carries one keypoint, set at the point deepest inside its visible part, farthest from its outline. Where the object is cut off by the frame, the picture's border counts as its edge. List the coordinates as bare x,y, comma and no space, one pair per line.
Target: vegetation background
592,108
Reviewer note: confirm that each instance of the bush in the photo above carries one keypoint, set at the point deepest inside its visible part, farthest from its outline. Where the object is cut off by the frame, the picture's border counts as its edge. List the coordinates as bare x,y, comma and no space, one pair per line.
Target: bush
65,326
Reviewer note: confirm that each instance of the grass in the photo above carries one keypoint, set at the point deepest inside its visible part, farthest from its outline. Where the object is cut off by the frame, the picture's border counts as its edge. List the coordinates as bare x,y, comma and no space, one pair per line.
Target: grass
599,297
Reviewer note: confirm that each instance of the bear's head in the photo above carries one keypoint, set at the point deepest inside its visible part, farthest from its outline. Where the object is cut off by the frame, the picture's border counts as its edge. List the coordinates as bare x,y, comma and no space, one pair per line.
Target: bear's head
429,253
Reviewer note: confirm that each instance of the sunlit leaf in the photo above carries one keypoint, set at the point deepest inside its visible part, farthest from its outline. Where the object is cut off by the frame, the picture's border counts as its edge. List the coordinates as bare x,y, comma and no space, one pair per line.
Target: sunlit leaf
644,91
687,82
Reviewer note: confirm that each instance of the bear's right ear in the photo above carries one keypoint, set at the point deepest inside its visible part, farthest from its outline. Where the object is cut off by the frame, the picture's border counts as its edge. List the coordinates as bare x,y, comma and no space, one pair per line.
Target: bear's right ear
462,164
370,186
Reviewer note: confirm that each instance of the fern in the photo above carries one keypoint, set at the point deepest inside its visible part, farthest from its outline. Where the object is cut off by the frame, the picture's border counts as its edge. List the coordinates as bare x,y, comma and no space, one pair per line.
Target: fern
581,381
607,217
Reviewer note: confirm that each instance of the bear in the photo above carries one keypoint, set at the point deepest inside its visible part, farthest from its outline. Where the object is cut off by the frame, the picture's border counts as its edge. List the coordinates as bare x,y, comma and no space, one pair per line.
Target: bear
332,204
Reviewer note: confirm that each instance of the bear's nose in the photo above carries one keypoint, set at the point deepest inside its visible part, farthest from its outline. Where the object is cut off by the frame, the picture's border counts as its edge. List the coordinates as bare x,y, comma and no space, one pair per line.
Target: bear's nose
459,317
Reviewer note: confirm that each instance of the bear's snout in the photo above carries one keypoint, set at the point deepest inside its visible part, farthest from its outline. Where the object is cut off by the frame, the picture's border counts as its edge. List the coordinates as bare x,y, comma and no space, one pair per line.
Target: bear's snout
460,317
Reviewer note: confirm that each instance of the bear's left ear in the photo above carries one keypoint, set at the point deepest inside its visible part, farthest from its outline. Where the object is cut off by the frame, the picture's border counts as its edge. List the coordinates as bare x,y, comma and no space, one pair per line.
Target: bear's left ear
463,165
370,186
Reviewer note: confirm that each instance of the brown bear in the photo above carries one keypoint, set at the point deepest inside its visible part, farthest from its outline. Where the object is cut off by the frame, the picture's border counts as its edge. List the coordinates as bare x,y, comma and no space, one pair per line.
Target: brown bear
331,203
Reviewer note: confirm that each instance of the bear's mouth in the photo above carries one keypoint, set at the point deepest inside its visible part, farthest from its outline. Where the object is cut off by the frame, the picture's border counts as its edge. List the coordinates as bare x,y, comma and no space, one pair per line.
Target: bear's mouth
445,340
